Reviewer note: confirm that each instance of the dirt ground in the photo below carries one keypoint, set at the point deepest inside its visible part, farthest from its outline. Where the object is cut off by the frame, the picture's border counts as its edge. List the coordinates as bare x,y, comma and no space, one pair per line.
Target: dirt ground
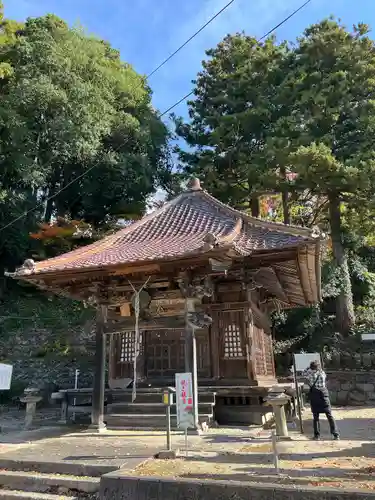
231,454
239,455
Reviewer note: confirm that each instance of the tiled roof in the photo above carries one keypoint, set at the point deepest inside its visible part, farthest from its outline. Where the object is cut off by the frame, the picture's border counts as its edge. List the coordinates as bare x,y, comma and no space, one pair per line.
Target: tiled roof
181,227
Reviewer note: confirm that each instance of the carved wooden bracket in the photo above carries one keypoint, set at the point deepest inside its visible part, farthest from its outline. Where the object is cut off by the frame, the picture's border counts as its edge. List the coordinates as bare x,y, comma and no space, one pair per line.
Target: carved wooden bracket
196,288
198,319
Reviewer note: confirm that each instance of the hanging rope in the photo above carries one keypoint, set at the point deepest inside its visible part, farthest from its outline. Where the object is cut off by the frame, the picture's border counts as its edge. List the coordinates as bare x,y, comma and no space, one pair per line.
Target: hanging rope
137,339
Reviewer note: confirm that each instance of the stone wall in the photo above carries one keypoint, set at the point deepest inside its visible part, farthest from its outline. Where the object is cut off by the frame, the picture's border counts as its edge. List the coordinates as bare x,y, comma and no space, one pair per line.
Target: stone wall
352,388
113,485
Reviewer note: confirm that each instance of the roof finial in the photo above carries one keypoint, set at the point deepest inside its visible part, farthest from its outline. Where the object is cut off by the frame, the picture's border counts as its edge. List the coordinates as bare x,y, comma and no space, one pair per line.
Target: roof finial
194,184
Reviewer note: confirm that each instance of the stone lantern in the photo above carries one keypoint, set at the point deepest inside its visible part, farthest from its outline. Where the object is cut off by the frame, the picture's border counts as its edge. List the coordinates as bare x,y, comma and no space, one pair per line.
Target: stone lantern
277,399
31,397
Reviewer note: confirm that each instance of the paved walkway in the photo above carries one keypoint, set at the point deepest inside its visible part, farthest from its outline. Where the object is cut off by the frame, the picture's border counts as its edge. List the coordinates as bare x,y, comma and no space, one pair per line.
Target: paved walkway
235,456
51,445
224,453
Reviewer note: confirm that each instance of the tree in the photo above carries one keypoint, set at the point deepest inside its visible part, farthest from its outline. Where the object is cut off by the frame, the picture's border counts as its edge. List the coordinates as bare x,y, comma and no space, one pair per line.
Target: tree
294,119
70,108
330,91
231,117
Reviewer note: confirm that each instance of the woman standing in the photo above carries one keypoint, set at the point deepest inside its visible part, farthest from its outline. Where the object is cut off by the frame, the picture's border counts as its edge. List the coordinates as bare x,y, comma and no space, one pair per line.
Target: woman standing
319,399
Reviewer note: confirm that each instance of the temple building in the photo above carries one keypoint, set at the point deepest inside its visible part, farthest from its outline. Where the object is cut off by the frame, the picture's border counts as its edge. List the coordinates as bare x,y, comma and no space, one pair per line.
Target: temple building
189,287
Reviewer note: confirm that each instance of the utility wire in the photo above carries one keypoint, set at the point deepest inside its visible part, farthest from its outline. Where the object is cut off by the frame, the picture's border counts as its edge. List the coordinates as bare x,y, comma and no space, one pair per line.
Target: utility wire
190,39
286,19
292,14
24,214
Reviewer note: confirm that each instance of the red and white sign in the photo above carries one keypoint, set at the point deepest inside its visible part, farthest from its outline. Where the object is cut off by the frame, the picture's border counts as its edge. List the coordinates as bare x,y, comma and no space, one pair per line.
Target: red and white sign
184,401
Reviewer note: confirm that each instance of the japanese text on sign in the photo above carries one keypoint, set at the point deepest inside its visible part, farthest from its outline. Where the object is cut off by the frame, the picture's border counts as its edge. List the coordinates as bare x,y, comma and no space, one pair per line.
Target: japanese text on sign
184,401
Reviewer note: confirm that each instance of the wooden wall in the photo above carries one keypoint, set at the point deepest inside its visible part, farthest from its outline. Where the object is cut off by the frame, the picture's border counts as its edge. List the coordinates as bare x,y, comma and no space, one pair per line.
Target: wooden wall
234,347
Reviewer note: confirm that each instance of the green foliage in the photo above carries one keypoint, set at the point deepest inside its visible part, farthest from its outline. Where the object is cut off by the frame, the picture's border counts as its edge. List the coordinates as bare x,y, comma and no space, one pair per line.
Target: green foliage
231,118
294,119
71,108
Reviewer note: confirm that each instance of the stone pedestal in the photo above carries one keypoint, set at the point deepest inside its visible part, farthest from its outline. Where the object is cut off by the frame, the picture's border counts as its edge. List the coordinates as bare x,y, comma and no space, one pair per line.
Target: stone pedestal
31,397
277,399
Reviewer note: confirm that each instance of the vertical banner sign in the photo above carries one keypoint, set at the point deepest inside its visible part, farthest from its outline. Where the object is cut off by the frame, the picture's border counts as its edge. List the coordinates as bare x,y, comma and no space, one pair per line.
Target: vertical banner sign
5,376
184,401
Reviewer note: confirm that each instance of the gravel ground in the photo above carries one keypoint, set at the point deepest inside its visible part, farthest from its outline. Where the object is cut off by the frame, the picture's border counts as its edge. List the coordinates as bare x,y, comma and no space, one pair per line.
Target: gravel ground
238,456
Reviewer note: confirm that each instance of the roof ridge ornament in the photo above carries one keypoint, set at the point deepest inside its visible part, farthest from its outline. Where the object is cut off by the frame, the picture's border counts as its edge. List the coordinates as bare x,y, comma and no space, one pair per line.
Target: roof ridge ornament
316,232
194,184
28,267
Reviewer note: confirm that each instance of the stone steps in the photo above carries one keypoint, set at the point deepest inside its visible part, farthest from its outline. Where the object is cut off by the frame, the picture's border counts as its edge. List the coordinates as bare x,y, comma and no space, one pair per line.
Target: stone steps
153,397
148,410
153,408
27,495
23,480
65,468
34,481
148,421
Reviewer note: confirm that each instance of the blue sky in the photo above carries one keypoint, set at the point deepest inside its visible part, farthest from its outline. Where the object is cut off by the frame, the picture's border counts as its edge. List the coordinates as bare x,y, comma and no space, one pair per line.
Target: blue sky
146,31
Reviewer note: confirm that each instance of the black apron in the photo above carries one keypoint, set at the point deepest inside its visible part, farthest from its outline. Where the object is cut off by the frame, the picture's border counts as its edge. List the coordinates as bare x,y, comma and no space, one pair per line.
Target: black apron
319,399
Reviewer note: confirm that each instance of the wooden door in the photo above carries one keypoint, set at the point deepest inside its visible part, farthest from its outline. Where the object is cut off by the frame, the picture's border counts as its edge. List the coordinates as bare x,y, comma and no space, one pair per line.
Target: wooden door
233,350
262,354
164,353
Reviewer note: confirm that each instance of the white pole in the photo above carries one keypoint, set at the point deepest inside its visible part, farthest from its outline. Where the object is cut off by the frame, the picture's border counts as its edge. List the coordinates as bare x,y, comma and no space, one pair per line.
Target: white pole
75,387
275,453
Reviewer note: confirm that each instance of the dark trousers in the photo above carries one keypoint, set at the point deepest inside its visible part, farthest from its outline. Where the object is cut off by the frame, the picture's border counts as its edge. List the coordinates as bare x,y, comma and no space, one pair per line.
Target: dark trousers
331,421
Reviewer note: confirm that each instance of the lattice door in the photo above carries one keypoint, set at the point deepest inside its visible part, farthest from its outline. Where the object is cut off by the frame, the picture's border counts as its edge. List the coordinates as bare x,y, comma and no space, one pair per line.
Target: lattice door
165,353
123,355
230,328
262,353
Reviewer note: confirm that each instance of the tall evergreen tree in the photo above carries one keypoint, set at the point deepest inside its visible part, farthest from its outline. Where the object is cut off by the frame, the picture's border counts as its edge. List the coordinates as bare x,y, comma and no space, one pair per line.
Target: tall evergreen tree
263,110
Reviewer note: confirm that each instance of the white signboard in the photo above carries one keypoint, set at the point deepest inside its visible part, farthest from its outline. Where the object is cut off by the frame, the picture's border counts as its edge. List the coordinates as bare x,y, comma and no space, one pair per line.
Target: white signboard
302,361
184,401
368,336
5,376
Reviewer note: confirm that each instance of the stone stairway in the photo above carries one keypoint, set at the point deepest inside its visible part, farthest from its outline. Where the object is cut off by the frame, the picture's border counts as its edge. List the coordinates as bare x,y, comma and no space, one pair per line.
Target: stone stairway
149,412
27,480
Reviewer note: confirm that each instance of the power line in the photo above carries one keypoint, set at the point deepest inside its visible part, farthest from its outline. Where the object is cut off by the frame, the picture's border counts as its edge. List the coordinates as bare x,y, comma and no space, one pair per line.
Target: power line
190,39
177,103
286,19
24,214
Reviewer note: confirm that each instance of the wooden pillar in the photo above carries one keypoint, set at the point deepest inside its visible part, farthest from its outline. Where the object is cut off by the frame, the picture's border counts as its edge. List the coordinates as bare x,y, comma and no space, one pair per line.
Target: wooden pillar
215,349
215,339
193,293
97,414
189,307
249,332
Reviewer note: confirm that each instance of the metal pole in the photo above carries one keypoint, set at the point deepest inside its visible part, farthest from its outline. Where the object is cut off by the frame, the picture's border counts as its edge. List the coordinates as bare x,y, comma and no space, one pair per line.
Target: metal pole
275,453
298,397
169,441
195,381
75,387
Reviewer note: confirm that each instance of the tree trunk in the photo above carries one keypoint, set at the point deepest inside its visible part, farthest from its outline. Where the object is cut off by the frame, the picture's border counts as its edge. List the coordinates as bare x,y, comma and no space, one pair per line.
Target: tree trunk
254,205
345,318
